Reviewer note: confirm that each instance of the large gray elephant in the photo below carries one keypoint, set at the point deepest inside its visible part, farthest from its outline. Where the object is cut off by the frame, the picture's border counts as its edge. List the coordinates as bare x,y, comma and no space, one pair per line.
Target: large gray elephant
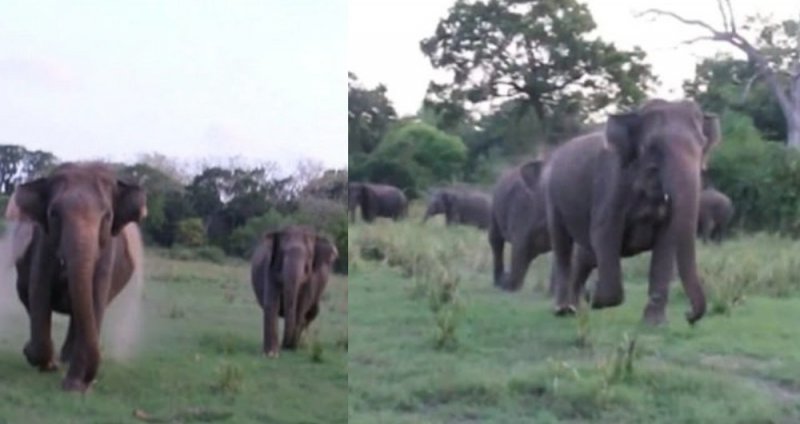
289,272
76,247
460,206
716,213
376,200
632,188
518,217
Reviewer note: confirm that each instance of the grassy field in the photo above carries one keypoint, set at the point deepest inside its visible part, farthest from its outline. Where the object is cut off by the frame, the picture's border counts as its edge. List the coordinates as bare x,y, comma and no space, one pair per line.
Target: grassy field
198,358
506,359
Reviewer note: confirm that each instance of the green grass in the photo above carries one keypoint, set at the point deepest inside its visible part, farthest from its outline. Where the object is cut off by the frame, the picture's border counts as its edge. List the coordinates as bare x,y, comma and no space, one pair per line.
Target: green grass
198,359
516,362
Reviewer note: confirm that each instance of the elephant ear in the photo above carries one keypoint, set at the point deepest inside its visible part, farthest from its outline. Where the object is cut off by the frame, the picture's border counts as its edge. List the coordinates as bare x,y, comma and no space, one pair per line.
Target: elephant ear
130,205
622,133
713,134
29,202
530,173
325,252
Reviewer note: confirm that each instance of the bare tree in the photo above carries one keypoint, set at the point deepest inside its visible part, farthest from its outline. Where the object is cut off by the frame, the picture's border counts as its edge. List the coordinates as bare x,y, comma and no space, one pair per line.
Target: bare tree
784,83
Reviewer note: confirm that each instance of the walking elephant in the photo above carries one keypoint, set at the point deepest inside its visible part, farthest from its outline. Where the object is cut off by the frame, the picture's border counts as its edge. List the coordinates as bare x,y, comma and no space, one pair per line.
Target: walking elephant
289,272
376,200
631,188
716,213
77,246
460,206
518,217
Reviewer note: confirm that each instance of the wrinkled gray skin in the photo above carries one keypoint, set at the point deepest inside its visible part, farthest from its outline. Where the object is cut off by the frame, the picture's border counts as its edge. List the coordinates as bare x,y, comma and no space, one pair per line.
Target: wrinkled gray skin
632,188
519,217
716,213
376,200
290,269
460,206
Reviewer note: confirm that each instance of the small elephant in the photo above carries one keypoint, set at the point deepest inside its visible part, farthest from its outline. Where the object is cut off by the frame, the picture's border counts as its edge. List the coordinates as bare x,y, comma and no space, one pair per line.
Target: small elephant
376,200
631,188
77,245
518,217
460,206
716,213
289,272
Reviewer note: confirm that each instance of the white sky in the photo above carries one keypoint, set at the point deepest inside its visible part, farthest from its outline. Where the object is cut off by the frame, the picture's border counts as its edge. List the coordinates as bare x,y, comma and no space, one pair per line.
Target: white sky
260,79
383,39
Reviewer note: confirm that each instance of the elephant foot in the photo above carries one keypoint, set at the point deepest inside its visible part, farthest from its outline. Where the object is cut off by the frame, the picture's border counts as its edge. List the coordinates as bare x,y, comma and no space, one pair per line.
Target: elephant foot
271,353
565,310
40,357
602,300
654,316
75,385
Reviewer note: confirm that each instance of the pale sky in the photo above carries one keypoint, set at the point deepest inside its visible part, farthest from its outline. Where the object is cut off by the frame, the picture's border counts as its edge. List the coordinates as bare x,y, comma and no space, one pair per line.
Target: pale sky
260,79
383,39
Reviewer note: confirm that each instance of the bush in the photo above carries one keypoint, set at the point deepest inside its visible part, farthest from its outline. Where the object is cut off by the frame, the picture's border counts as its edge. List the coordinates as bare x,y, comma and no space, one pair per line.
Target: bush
762,178
191,232
413,156
330,218
203,253
243,239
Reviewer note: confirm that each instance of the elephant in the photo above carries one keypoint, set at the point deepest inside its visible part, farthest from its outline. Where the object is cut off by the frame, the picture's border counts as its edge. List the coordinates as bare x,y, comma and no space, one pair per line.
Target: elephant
631,188
376,200
460,206
77,245
290,269
518,217
716,213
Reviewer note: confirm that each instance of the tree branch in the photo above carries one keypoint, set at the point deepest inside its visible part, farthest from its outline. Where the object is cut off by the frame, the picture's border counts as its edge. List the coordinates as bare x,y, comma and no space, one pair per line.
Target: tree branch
746,91
731,16
725,23
673,15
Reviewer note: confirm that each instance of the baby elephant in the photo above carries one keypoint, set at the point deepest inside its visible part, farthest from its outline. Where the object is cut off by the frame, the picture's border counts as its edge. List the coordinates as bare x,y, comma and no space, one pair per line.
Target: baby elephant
289,271
715,215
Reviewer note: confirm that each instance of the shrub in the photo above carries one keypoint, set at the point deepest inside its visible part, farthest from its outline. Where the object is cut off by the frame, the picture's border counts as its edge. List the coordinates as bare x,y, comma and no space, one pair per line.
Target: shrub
762,178
191,232
244,238
202,253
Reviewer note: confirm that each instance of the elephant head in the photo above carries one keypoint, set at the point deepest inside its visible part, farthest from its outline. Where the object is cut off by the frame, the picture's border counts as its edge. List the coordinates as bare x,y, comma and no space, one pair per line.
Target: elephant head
285,267
667,145
78,209
441,202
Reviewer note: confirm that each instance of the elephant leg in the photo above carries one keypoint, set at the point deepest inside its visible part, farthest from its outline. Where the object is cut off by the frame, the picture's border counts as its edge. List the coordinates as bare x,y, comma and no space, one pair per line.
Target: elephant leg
562,252
39,350
290,306
497,244
312,313
606,244
272,306
522,255
69,344
662,272
583,264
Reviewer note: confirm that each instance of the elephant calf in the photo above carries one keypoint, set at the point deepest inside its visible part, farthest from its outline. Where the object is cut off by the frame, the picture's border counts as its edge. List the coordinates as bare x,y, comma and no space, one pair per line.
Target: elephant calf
518,217
289,271
715,215
460,206
376,200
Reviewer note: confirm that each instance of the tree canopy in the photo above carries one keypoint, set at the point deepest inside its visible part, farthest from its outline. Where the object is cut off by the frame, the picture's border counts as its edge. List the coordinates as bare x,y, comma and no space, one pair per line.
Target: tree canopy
369,115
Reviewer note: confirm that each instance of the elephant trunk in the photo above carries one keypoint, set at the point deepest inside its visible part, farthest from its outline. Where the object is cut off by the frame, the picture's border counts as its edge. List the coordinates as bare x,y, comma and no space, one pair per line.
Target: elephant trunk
682,183
293,276
79,250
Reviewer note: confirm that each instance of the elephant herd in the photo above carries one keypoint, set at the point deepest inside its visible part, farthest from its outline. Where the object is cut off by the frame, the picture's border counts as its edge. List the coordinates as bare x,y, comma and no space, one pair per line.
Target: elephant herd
637,184
76,245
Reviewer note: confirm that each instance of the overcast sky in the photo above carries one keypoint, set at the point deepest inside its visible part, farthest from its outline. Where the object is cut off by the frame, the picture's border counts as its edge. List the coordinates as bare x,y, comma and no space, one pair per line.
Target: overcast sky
261,79
383,39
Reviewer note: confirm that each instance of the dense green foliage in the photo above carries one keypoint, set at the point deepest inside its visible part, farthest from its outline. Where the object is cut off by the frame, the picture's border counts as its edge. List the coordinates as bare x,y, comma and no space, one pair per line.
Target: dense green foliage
762,178
541,52
369,116
18,163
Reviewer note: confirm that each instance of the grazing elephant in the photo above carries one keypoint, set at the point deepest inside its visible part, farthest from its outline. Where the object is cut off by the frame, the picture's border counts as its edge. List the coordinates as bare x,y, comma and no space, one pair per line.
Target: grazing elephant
518,217
289,271
632,188
78,245
460,206
376,200
716,213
